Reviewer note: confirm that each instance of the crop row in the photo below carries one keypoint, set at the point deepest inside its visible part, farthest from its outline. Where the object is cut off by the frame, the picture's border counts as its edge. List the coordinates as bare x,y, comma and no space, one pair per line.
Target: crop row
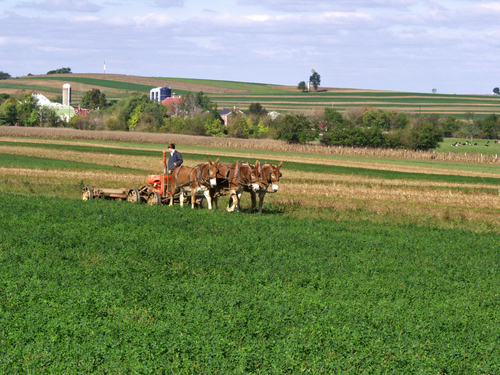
89,287
291,166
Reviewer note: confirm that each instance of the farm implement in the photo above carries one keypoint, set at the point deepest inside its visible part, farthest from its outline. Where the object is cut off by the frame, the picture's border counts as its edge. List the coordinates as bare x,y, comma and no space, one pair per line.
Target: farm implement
156,191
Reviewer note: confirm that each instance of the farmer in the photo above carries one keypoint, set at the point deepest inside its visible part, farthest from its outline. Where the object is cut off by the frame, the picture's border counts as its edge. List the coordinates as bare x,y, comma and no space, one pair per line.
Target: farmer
175,158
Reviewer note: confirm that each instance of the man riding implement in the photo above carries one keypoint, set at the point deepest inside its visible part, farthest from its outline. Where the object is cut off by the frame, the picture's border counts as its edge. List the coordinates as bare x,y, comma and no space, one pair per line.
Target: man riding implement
175,158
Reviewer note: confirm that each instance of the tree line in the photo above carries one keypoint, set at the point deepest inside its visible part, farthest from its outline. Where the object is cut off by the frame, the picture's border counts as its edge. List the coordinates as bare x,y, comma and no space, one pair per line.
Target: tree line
196,114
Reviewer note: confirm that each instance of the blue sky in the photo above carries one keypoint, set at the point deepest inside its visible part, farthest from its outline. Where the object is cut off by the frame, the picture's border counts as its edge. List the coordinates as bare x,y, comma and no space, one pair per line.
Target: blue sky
402,45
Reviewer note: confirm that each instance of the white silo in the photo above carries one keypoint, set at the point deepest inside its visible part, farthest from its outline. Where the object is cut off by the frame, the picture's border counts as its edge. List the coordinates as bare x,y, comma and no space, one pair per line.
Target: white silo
66,94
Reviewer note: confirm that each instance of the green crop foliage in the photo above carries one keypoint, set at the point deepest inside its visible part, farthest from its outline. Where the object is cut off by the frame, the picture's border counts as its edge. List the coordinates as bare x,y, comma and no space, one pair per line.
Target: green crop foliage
114,287
100,83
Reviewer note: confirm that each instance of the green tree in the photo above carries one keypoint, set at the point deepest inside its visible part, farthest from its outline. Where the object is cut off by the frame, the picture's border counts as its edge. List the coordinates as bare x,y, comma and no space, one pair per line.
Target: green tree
490,126
262,127
125,109
301,86
295,129
94,99
471,126
60,71
450,125
239,128
8,112
315,80
215,127
27,110
423,136
333,117
257,109
134,119
376,117
49,118
204,102
4,75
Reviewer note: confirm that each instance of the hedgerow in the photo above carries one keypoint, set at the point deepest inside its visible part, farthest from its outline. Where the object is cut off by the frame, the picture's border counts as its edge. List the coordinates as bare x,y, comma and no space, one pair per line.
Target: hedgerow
100,287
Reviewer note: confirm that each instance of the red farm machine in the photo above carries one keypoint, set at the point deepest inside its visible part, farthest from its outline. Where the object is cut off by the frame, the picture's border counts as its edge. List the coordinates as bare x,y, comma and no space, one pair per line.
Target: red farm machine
155,192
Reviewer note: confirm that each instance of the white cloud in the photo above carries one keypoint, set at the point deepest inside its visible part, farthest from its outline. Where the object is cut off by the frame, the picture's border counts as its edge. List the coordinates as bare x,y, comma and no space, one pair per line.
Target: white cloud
489,6
154,20
62,5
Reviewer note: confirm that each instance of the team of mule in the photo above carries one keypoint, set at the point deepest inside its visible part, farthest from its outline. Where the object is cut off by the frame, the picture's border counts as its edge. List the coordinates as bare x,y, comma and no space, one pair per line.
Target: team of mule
213,179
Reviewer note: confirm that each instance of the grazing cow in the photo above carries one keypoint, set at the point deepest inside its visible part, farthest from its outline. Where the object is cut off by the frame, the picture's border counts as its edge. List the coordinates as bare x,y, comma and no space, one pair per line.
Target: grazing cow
269,178
195,180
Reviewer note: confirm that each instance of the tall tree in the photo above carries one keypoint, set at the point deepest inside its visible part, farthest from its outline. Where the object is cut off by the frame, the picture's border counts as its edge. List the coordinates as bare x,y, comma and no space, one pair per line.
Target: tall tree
315,80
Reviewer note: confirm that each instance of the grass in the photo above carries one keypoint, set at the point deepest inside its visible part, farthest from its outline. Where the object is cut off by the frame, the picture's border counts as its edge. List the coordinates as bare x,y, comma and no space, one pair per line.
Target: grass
112,289
253,88
20,161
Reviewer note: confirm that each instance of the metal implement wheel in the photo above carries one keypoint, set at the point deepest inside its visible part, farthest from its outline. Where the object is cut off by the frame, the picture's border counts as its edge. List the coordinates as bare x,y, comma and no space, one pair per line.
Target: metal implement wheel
87,193
154,199
133,196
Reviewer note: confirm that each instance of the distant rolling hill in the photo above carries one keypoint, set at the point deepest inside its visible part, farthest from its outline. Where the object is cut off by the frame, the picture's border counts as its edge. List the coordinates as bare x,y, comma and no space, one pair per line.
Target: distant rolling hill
272,97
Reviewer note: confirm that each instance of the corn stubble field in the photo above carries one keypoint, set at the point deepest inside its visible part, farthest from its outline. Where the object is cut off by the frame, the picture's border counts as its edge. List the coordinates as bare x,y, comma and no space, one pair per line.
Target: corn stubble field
365,262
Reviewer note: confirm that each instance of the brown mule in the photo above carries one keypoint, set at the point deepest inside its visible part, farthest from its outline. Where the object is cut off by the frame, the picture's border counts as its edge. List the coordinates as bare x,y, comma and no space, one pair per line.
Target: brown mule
269,177
196,180
244,177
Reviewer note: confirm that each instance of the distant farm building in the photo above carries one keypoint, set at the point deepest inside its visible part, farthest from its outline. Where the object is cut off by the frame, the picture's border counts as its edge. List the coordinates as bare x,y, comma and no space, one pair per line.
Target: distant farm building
226,112
65,111
159,94
173,105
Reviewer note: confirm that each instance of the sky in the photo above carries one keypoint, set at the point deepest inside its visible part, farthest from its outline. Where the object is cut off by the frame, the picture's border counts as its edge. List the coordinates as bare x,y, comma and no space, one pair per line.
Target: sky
399,45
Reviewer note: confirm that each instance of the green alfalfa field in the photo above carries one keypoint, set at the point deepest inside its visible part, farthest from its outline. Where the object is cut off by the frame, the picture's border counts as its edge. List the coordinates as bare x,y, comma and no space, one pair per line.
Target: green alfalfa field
111,287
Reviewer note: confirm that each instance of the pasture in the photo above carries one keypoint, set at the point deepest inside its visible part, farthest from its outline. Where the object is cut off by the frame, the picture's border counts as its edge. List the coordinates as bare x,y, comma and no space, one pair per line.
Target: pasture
361,263
272,97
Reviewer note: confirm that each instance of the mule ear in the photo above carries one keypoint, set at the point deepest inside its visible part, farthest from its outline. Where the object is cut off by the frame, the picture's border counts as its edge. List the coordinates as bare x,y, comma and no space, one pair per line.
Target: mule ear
209,162
280,164
217,161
